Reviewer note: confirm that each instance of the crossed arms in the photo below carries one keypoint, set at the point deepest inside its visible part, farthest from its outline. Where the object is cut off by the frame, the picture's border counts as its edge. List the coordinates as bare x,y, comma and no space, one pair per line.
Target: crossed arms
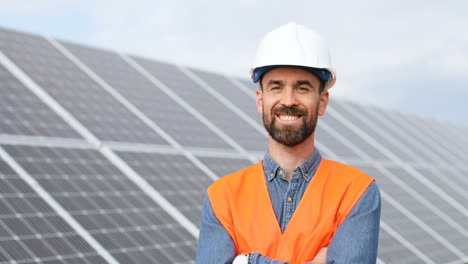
354,242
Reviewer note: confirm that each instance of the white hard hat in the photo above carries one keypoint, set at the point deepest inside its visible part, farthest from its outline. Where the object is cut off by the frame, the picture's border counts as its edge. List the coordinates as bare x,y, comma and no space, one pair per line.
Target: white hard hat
294,45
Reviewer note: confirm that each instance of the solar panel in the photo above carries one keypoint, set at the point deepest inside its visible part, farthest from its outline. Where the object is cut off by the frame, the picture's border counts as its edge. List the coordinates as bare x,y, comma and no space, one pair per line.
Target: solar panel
331,119
394,251
81,96
121,217
432,211
223,165
248,84
443,134
180,124
34,118
436,140
419,238
436,200
426,146
449,182
381,119
230,123
352,113
31,231
327,136
105,158
230,90
175,177
457,134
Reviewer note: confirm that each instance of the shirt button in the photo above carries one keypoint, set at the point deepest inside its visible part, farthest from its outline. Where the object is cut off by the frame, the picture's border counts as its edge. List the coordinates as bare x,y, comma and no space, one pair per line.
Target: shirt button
307,175
280,172
271,174
289,199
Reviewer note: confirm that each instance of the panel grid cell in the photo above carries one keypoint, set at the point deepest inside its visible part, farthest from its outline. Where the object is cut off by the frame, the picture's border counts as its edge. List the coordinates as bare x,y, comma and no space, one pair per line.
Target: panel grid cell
416,140
119,215
369,129
31,231
440,178
337,146
457,133
349,134
74,90
230,91
223,166
210,107
439,137
430,195
22,113
419,238
382,120
247,84
392,251
175,177
418,209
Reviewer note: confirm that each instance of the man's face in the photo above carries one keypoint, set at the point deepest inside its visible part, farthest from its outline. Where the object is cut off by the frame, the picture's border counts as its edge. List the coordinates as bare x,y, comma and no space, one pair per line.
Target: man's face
290,103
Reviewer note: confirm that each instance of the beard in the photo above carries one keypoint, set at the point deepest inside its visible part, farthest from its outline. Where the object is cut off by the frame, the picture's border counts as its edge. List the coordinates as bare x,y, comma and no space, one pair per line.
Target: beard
290,135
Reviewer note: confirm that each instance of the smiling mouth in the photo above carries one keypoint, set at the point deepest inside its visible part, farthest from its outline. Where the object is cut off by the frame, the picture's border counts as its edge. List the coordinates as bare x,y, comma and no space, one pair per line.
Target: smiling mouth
288,117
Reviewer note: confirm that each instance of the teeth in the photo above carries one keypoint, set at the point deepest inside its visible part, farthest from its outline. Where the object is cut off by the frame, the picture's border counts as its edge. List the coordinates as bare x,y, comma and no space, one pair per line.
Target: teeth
288,118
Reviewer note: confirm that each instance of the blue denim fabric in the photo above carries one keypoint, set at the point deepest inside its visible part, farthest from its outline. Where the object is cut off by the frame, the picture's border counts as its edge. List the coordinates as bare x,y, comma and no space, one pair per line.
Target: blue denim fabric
355,241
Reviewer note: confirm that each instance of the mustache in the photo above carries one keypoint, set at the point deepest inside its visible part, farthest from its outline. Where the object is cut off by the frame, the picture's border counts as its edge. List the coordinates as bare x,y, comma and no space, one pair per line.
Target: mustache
289,110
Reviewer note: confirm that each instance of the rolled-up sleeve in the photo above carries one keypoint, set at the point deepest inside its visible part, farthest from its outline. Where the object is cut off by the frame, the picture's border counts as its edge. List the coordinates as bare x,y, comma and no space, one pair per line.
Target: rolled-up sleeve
215,245
356,239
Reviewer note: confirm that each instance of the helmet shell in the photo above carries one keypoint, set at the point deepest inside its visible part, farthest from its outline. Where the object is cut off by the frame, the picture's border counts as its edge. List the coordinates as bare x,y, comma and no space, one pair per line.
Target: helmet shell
294,45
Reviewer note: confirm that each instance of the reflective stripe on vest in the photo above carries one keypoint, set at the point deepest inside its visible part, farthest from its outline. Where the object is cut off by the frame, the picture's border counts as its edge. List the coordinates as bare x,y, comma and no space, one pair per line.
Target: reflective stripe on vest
242,204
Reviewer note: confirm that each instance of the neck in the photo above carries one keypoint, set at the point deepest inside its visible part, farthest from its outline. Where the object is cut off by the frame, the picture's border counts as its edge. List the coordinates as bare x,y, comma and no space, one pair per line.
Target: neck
291,157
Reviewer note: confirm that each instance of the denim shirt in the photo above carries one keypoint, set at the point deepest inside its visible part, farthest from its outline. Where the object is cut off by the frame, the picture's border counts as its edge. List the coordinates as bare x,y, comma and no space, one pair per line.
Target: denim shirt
354,242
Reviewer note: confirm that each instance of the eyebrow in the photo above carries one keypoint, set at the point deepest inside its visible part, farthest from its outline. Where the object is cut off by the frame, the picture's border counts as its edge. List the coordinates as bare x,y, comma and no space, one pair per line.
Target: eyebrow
298,83
303,82
274,82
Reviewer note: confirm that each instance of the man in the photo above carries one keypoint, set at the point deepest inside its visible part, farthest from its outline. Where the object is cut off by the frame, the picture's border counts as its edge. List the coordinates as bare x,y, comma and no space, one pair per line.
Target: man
294,206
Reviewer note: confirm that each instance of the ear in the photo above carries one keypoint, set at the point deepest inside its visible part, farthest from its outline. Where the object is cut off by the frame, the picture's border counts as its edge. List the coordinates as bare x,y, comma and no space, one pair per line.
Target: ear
259,101
323,103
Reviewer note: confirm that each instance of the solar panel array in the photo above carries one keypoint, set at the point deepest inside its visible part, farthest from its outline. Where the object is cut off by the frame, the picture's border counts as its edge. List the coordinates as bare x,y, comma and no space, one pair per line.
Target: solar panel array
105,158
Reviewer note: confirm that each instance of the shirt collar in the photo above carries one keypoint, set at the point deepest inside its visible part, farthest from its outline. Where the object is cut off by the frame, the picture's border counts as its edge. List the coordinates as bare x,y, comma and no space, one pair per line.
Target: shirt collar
305,169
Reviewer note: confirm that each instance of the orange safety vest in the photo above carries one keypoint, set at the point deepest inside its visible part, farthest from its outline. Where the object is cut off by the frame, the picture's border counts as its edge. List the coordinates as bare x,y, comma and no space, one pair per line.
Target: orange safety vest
242,204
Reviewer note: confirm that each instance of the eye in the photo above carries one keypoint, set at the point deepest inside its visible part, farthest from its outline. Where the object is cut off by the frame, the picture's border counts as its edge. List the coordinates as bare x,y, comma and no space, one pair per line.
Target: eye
275,88
303,89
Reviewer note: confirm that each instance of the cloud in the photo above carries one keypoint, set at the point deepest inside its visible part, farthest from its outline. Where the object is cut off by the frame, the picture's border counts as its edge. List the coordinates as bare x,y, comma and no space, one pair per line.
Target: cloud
427,87
451,61
24,7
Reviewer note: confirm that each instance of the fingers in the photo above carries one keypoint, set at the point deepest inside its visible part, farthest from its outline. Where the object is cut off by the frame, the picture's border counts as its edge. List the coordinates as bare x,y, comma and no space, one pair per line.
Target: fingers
321,257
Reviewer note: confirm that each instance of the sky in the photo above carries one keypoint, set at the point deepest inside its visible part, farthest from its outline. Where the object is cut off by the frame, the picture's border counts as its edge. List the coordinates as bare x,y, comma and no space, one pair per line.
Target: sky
410,56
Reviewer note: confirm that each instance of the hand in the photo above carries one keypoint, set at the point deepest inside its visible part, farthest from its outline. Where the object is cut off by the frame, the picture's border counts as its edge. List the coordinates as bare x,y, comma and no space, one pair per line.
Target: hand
241,259
321,257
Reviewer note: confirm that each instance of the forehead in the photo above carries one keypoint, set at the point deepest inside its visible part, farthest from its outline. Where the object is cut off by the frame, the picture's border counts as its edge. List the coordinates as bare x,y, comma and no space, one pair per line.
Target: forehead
290,74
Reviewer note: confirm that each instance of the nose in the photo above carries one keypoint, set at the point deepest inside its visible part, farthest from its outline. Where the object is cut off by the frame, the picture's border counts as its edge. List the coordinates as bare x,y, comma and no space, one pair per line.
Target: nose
289,98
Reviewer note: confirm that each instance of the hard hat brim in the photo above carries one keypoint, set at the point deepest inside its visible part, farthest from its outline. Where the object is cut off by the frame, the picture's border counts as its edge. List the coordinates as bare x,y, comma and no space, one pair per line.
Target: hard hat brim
322,74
